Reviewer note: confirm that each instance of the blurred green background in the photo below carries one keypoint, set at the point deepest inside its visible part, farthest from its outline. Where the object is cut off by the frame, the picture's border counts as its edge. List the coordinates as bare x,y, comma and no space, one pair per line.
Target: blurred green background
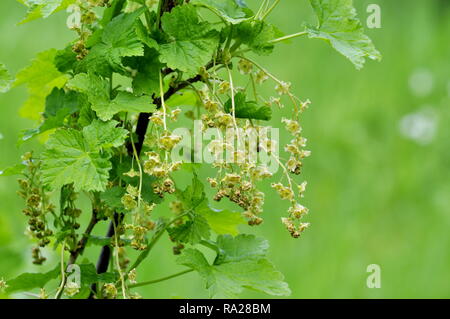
378,179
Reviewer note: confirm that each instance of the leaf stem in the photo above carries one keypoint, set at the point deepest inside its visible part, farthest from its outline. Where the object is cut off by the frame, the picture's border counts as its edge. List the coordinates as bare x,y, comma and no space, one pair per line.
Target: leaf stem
63,273
270,9
288,37
119,269
145,283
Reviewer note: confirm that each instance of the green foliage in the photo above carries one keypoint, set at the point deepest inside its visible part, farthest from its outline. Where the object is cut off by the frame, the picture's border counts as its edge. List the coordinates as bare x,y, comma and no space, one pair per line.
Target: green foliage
81,157
40,78
118,40
96,89
59,106
202,217
248,109
43,8
241,263
13,170
190,42
256,35
28,281
339,26
230,10
5,79
95,98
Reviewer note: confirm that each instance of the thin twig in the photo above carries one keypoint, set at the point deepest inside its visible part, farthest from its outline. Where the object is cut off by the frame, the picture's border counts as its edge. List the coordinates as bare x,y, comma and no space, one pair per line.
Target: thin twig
150,282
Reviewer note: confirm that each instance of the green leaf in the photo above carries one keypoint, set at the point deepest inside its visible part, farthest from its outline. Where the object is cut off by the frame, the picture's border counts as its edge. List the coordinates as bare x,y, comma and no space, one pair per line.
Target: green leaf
248,109
97,90
40,78
194,195
104,134
89,276
127,102
65,59
202,216
43,8
241,263
13,170
112,197
28,281
72,157
5,79
99,240
118,40
58,106
192,231
192,42
230,10
340,27
183,98
222,221
239,248
146,80
256,35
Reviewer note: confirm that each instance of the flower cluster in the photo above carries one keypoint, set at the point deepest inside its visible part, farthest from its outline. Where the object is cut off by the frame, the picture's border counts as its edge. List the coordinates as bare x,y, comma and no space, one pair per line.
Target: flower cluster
38,206
83,20
140,211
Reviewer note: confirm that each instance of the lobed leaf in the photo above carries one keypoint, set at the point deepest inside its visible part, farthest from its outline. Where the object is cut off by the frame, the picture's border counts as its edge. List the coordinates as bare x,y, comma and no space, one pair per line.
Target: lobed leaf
241,263
191,43
76,157
118,40
40,78
97,90
339,26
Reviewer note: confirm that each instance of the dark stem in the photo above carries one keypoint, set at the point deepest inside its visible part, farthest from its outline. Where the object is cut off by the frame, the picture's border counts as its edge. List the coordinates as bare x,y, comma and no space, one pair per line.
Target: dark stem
105,254
83,241
141,130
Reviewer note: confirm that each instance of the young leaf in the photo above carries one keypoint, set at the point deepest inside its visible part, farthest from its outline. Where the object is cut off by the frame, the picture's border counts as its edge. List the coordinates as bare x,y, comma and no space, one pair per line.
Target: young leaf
230,10
118,40
97,90
192,231
43,8
89,276
58,106
13,170
112,197
194,195
40,78
146,80
28,281
222,221
248,109
339,26
203,215
256,35
191,43
5,79
241,263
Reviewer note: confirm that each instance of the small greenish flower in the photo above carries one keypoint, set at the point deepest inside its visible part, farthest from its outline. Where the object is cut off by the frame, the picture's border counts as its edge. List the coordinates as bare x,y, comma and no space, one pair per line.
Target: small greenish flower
110,291
71,289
